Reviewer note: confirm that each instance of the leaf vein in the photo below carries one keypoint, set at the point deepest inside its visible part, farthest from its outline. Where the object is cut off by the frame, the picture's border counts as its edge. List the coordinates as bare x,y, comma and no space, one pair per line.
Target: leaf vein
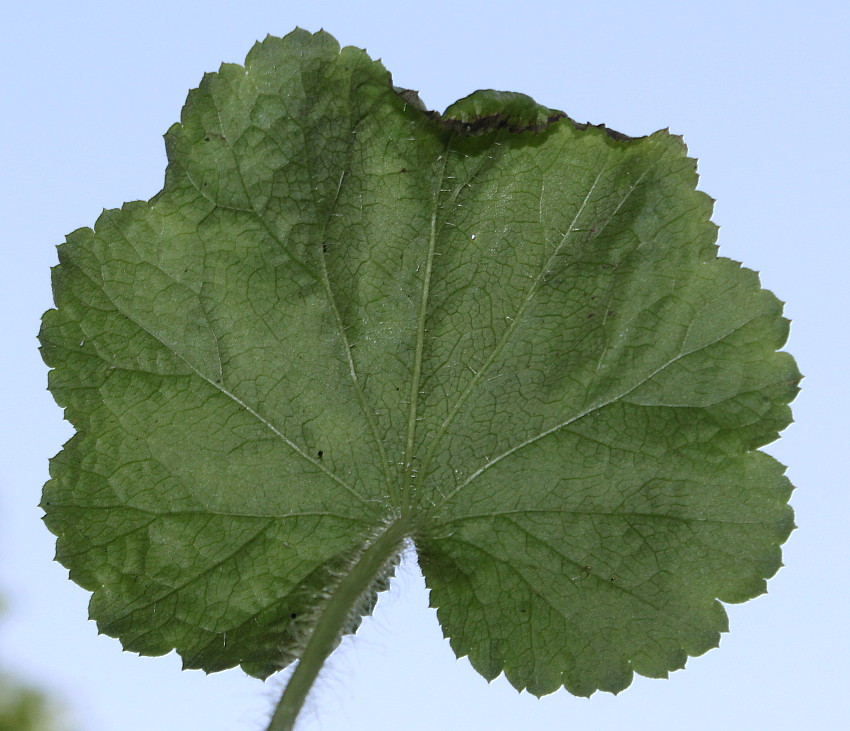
219,387
581,415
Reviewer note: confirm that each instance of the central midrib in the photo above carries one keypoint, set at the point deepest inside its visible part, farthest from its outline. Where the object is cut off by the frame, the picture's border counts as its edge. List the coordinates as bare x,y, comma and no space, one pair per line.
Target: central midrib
408,469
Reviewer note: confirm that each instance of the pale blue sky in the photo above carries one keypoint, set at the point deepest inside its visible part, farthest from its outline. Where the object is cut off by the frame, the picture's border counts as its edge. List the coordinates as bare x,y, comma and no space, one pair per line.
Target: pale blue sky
760,92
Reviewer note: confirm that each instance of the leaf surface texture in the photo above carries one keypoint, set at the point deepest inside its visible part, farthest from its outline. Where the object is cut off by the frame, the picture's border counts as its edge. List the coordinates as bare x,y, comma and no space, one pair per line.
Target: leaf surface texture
505,331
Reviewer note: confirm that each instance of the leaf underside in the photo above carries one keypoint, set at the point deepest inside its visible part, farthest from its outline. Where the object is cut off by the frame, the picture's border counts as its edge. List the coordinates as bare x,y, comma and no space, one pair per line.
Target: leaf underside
508,331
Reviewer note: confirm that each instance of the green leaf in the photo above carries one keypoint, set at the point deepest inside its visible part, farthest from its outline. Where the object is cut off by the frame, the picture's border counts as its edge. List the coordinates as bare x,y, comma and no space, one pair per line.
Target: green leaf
346,322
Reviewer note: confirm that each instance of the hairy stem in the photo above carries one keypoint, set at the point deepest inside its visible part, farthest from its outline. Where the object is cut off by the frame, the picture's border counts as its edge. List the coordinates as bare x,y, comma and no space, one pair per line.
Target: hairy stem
337,611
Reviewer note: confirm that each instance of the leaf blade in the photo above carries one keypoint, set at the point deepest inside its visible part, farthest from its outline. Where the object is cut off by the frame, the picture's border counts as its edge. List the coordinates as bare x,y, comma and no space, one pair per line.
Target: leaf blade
507,334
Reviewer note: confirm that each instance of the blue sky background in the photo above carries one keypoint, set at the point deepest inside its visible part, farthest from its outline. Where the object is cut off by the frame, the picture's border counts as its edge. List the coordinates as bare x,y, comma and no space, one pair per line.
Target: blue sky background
760,92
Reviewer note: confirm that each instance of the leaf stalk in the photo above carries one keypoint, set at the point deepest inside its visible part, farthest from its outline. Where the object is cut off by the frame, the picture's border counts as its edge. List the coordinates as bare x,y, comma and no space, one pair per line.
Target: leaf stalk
325,637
